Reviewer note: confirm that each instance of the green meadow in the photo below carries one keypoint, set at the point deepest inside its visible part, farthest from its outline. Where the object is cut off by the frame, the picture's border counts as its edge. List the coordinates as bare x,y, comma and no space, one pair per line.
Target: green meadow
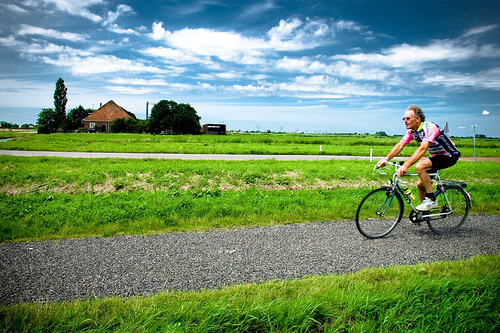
49,198
234,143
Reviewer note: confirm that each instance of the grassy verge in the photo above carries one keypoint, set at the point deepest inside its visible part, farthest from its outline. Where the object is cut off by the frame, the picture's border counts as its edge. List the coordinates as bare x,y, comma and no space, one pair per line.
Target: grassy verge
458,296
49,198
273,144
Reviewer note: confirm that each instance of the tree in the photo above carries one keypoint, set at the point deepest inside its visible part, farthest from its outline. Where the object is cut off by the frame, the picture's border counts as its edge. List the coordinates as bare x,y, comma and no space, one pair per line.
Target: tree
47,121
128,125
74,118
186,120
60,100
5,124
172,118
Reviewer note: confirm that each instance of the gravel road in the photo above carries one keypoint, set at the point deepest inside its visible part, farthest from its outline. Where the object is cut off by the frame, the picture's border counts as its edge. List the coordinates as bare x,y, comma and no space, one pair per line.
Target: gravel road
139,265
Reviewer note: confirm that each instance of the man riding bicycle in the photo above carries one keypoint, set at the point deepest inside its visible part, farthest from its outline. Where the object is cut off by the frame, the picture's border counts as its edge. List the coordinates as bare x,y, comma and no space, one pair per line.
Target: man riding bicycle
431,138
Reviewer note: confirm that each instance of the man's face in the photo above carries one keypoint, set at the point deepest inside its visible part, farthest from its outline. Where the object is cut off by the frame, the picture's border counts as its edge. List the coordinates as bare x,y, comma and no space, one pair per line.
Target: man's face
410,121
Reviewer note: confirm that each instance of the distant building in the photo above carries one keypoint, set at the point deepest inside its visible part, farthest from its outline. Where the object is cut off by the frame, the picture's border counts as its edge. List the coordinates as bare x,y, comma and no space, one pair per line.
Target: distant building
214,129
105,116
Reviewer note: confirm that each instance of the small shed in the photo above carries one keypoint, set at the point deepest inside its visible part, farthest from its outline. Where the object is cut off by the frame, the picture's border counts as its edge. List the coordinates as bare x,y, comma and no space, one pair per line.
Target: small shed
214,129
105,116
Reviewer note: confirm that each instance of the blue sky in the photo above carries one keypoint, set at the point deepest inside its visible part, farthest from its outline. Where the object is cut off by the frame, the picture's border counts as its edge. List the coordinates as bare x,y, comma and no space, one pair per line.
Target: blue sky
309,66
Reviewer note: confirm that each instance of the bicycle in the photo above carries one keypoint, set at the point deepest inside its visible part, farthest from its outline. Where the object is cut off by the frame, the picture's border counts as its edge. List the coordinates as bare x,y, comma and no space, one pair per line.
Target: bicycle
382,209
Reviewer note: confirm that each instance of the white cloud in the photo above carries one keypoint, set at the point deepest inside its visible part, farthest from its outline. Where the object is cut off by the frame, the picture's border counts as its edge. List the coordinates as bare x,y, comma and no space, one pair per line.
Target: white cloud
100,64
229,46
120,10
139,82
486,112
294,35
295,64
113,16
312,87
127,90
14,8
177,56
258,9
441,50
25,29
347,25
77,7
481,80
479,30
323,86
38,47
114,28
337,68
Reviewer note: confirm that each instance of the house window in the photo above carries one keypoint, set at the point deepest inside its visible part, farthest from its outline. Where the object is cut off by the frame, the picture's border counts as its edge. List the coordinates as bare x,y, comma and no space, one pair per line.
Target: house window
92,125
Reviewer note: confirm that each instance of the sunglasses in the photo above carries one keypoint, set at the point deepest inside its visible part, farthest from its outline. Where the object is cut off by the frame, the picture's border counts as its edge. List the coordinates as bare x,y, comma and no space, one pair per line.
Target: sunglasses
407,118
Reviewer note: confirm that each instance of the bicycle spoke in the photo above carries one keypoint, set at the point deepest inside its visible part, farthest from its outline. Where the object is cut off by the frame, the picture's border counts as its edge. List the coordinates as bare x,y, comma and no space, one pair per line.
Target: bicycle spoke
455,207
378,214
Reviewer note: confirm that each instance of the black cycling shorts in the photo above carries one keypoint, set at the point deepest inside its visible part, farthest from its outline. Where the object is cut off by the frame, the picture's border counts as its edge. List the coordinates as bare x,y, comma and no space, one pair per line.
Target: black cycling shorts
442,162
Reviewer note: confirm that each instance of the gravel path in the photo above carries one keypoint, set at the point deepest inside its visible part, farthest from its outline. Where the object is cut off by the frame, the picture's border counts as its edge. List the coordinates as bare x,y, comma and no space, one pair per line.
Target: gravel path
139,265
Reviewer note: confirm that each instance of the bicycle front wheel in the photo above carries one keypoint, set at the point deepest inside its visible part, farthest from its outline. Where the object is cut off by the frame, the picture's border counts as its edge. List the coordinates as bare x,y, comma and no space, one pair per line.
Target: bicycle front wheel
455,211
379,212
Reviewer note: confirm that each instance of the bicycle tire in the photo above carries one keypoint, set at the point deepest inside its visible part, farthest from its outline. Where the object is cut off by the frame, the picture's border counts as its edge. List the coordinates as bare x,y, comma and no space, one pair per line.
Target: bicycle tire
460,204
377,214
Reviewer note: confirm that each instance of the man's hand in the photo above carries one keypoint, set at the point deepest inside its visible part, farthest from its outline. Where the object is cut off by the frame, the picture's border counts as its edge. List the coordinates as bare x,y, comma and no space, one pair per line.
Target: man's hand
402,170
382,163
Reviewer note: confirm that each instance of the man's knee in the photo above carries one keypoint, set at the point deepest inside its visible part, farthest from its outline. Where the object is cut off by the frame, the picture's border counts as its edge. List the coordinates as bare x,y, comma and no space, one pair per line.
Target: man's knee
423,166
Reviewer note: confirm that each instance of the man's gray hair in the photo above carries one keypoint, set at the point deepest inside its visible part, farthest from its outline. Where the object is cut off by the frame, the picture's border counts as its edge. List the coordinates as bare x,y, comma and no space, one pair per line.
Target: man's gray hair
417,112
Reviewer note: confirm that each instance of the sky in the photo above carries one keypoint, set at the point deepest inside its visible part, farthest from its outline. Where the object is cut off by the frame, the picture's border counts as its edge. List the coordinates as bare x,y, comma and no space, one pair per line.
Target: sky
336,66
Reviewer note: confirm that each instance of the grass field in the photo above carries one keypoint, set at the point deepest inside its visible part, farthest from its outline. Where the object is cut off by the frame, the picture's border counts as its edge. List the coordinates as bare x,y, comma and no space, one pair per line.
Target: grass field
262,144
52,198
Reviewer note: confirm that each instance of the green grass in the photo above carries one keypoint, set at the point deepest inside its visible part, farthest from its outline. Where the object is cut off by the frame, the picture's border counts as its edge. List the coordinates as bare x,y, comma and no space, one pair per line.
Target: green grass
50,198
273,144
458,296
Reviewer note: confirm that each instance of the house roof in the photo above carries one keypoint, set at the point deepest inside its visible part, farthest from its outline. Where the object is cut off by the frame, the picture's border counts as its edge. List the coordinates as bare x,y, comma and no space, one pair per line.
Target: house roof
109,112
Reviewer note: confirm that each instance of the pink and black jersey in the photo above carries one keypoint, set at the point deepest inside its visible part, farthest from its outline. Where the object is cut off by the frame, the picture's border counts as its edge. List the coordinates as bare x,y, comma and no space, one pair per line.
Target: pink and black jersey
441,143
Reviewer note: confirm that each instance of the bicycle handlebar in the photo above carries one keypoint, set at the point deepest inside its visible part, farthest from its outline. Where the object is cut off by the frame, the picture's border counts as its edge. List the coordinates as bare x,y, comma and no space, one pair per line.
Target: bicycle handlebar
385,173
396,178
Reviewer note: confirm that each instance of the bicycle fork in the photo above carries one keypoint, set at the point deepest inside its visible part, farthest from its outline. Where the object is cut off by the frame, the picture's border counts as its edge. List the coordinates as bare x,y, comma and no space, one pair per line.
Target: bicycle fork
389,195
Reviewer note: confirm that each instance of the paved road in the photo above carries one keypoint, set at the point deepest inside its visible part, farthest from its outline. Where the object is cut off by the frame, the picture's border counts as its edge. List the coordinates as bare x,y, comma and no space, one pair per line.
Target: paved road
138,265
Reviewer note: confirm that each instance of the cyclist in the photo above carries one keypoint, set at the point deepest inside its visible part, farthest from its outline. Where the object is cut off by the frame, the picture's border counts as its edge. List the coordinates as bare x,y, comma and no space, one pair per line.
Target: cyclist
432,139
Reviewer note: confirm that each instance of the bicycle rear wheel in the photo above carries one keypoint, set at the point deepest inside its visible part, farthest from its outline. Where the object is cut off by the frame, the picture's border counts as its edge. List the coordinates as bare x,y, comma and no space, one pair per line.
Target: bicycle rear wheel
379,212
458,206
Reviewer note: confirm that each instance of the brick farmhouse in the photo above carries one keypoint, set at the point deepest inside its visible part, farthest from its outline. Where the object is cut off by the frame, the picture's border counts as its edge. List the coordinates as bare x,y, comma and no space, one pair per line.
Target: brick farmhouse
105,116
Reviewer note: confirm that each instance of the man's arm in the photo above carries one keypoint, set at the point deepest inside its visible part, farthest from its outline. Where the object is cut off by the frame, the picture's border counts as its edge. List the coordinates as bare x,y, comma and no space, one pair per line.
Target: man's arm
417,155
394,152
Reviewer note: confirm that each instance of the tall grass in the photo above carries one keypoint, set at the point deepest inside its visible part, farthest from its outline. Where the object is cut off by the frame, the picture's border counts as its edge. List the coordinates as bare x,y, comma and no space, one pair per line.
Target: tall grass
458,296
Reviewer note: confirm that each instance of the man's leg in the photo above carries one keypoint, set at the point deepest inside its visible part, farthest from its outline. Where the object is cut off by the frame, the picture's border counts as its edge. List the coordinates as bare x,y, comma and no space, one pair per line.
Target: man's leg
424,183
